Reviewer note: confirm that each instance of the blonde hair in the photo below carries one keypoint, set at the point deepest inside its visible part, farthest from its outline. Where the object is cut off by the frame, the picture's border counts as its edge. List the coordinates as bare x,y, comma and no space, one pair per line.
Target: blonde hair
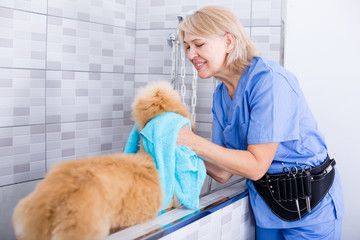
218,20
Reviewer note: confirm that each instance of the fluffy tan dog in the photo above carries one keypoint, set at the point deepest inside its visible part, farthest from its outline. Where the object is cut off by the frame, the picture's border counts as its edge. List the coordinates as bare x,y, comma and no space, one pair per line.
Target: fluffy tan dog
92,197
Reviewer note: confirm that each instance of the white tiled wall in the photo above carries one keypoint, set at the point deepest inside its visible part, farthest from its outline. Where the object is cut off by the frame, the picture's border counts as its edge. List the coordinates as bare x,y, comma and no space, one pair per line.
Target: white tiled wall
69,71
234,222
65,66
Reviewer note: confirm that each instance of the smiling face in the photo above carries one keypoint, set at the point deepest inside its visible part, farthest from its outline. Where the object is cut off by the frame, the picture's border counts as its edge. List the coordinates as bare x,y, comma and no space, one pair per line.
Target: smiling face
207,54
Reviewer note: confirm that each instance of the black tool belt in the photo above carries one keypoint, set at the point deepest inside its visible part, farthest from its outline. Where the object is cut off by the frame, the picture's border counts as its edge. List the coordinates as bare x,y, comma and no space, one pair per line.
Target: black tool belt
297,190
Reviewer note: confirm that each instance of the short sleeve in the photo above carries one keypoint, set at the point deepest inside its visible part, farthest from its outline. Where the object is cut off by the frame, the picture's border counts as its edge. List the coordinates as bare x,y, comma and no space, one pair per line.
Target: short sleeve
217,136
218,118
274,110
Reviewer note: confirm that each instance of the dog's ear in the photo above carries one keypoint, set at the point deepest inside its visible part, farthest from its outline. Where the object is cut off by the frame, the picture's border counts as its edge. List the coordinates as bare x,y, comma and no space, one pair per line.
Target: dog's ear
157,98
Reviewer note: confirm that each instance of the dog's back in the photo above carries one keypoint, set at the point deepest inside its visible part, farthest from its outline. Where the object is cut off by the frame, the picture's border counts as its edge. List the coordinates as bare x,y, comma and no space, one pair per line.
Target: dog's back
84,199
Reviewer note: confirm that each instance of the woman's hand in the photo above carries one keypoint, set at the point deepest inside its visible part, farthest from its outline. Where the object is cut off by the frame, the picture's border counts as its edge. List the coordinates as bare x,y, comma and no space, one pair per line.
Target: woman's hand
185,137
188,138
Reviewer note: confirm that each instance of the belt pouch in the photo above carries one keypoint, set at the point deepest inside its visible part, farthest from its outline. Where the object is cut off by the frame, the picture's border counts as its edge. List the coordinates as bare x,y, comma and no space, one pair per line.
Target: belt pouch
316,184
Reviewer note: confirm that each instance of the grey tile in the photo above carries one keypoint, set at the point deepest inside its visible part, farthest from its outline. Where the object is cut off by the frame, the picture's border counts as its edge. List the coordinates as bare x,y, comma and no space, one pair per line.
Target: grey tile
68,49
37,55
118,107
9,197
107,52
53,84
24,111
226,218
6,142
94,67
193,236
130,33
81,16
157,70
6,43
6,152
68,152
108,29
156,25
247,216
142,40
106,146
37,129
39,138
120,15
118,68
106,123
18,150
81,92
6,13
69,32
39,174
130,62
6,83
38,37
261,39
53,118
53,64
157,3
153,48
82,116
22,168
275,47
68,75
67,135
205,221
6,171
53,128
35,74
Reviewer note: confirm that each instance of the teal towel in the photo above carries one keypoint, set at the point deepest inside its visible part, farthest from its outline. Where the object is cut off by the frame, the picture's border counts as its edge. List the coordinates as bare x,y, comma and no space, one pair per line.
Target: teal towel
181,171
132,144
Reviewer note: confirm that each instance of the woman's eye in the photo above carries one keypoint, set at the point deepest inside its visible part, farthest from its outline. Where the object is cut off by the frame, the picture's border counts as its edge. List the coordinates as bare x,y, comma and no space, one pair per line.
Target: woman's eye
199,45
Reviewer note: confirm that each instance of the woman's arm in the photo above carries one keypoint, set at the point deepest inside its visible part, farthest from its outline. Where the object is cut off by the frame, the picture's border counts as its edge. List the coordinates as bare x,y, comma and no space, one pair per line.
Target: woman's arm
217,173
252,163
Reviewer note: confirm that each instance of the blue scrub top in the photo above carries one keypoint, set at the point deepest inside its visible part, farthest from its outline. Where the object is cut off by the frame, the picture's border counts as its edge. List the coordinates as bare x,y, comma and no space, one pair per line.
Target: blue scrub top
269,106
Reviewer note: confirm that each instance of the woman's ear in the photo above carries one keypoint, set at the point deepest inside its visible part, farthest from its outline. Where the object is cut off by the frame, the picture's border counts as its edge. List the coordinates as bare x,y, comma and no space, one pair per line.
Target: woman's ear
229,42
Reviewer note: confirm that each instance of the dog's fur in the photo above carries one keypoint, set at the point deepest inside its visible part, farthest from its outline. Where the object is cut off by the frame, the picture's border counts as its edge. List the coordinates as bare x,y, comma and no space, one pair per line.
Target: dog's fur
91,197
155,99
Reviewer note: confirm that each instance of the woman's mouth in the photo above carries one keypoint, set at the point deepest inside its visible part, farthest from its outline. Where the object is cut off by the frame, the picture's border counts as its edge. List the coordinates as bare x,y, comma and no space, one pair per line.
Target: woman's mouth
199,65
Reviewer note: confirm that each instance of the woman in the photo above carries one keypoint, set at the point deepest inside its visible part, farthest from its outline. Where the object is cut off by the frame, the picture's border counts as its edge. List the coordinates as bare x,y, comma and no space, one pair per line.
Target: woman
262,130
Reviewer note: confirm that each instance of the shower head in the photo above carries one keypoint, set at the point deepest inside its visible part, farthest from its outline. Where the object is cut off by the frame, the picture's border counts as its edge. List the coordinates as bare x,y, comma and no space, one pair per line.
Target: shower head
180,18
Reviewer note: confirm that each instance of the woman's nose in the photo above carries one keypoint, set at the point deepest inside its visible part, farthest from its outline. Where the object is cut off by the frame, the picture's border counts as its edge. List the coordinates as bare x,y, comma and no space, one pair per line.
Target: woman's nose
192,53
